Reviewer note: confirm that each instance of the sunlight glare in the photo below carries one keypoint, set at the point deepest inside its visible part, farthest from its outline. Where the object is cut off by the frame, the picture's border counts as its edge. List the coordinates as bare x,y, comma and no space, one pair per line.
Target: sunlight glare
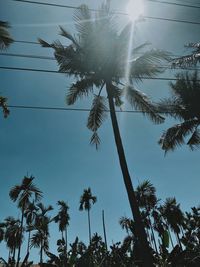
135,9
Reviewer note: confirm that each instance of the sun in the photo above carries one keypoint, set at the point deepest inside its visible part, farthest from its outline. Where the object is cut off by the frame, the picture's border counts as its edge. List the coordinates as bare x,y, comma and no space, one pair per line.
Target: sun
135,9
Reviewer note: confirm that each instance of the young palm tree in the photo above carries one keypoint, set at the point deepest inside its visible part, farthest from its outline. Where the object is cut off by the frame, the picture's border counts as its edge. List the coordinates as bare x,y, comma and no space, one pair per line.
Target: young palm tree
63,218
22,194
85,204
184,106
97,58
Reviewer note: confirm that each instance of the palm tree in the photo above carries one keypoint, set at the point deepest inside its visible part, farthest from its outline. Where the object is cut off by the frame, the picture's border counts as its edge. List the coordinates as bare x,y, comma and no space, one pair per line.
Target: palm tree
23,193
97,58
184,106
62,218
85,204
40,238
147,200
12,235
30,215
171,211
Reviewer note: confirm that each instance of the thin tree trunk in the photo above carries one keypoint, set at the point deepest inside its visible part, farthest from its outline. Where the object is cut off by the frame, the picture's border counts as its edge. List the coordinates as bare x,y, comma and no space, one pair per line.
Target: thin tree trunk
139,226
28,245
21,229
89,225
66,239
41,254
104,230
170,236
153,235
179,241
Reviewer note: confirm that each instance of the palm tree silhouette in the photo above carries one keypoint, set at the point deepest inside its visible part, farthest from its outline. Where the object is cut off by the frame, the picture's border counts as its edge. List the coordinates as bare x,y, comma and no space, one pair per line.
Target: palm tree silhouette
174,216
147,200
184,106
63,218
85,204
12,235
30,215
22,194
97,58
40,238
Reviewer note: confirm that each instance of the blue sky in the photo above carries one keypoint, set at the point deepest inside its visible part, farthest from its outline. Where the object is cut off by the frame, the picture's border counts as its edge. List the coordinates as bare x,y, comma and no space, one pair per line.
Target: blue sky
54,146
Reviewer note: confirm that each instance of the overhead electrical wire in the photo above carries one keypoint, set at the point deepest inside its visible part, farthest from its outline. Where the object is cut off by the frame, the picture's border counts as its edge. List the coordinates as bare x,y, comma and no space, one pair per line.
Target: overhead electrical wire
77,109
59,72
113,12
174,4
52,58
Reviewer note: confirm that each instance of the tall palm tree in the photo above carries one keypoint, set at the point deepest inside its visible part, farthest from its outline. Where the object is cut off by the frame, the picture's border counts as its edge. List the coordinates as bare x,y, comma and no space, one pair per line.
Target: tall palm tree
85,204
40,238
147,200
30,215
184,106
174,216
97,58
22,194
63,218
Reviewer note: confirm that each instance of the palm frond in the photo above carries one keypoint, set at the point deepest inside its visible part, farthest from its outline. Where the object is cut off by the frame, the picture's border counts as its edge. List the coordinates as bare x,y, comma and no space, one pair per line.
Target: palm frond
95,140
3,104
175,135
96,117
78,90
44,43
82,18
148,64
67,35
5,38
141,102
138,49
194,141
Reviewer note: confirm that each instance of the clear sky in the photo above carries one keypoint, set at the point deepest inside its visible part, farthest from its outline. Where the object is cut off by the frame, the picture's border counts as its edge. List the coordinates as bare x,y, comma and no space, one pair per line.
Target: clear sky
54,146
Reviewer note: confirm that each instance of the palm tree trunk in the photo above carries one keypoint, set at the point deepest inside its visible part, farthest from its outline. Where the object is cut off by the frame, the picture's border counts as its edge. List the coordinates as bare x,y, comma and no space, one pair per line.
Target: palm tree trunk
170,237
41,254
153,235
20,241
89,225
66,239
104,230
139,226
28,244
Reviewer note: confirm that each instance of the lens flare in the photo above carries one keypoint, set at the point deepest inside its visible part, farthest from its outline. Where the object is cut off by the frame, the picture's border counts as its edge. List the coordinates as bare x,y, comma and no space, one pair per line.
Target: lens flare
135,9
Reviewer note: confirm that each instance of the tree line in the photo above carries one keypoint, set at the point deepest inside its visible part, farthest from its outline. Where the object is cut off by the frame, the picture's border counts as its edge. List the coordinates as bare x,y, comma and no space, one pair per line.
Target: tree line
173,235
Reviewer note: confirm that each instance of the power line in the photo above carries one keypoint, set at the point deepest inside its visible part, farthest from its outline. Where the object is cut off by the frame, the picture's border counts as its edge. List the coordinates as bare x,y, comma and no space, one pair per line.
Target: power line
77,109
175,4
26,56
59,72
113,12
52,58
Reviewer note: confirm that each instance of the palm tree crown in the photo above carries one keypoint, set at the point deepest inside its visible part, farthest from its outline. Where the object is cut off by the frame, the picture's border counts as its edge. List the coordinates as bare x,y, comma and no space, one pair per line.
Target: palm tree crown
184,106
87,199
98,55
